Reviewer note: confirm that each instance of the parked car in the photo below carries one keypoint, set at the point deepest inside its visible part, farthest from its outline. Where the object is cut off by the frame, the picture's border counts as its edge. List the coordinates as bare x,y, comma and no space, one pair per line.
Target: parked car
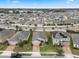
16,55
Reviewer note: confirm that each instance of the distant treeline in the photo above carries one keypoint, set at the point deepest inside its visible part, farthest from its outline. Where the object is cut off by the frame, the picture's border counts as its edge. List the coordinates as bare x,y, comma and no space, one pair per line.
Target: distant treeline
16,10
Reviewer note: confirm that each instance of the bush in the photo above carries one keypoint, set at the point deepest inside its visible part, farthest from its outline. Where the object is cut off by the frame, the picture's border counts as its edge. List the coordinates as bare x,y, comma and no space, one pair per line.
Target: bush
6,42
60,51
21,44
25,42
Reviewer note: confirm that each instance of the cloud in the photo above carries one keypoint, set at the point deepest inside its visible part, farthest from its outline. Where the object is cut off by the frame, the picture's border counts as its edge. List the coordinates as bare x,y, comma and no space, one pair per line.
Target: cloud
14,1
70,1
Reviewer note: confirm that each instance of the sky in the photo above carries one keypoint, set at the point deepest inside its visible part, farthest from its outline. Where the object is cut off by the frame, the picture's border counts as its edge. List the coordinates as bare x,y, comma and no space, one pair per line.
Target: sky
39,3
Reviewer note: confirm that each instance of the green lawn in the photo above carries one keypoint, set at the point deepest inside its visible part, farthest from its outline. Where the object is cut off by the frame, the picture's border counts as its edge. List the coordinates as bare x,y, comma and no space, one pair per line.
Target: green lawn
3,46
75,51
27,47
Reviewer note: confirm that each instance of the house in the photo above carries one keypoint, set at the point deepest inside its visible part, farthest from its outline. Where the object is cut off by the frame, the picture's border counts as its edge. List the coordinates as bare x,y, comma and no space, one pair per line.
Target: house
60,37
19,37
75,39
6,34
40,37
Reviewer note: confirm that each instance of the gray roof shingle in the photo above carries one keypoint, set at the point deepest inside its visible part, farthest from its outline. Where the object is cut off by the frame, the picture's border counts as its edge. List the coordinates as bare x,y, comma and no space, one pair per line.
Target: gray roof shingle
41,35
75,38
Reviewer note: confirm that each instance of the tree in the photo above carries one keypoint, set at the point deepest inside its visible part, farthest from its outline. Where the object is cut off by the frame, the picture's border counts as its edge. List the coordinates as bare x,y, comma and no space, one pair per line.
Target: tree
17,28
31,30
20,29
35,24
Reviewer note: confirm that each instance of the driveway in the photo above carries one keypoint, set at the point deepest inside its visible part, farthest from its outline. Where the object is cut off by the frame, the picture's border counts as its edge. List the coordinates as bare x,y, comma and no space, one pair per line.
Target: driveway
36,49
67,51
